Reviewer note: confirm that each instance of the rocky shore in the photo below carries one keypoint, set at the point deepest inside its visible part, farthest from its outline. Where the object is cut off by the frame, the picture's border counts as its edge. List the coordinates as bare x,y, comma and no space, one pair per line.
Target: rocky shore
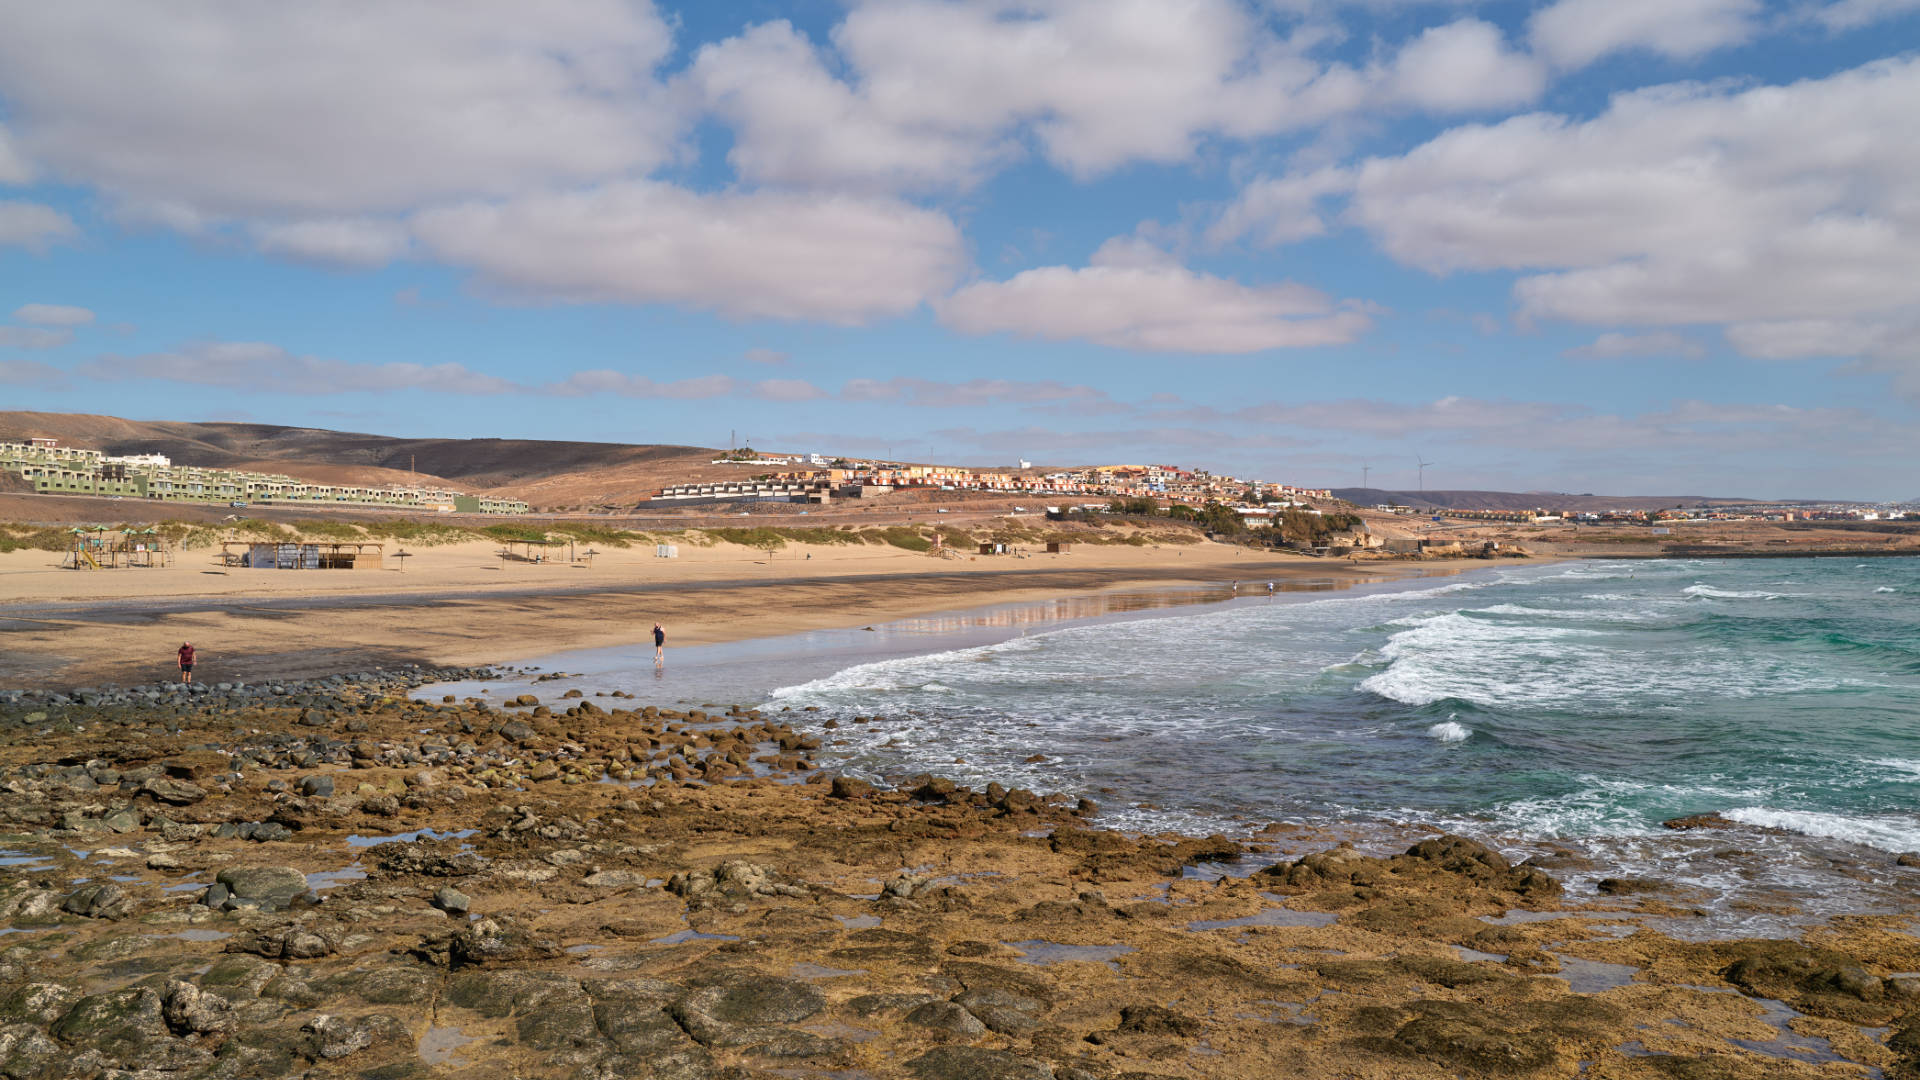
327,878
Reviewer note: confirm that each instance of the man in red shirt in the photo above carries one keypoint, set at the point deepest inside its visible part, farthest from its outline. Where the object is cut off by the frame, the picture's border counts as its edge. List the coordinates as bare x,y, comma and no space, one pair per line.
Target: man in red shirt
186,661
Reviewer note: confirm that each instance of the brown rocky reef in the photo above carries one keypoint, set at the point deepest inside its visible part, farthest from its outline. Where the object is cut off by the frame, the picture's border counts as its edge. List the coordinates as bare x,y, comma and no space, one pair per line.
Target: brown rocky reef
347,883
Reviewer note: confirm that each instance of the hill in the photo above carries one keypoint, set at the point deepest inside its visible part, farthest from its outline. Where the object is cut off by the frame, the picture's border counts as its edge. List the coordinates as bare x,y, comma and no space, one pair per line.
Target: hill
1524,500
546,473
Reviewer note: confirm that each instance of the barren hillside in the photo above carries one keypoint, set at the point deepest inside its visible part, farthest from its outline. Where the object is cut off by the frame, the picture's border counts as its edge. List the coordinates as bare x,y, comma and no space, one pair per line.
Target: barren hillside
546,473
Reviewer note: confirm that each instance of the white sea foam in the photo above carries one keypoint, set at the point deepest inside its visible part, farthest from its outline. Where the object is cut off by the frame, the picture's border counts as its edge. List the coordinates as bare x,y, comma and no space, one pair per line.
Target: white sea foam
1886,834
1449,731
1909,766
1886,588
1710,592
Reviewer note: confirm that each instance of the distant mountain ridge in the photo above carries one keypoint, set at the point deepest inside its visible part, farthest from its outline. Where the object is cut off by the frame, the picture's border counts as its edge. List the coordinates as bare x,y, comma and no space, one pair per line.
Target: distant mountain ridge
1525,500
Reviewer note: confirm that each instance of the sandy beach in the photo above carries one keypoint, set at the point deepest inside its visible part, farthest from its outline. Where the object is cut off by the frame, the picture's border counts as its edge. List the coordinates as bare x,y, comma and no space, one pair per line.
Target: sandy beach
462,604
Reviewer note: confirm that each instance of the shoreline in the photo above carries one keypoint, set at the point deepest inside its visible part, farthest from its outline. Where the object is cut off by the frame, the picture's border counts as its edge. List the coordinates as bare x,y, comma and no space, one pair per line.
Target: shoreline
128,639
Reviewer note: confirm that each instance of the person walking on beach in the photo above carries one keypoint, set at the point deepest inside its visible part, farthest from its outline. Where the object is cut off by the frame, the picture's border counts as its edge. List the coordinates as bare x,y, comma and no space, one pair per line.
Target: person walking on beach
659,645
186,661
1269,588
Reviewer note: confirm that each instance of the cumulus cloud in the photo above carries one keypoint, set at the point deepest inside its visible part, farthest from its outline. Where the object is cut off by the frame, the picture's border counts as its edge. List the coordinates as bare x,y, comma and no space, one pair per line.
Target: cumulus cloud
1613,345
769,357
335,110
1575,33
1277,210
1460,67
1678,204
936,94
833,258
53,315
33,226
259,366
352,242
1131,297
33,337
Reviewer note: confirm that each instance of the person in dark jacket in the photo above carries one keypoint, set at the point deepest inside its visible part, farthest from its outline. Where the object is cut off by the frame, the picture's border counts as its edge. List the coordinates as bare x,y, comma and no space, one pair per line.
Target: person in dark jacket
186,661
659,645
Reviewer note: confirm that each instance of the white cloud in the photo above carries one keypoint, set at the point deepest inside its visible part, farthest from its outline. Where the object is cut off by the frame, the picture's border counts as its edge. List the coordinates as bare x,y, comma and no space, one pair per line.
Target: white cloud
1678,204
33,226
14,167
1853,14
694,388
1575,33
258,366
33,337
769,357
795,123
833,258
1276,210
1887,345
354,242
1128,300
1613,345
30,373
935,94
53,315
1462,67
972,393
230,107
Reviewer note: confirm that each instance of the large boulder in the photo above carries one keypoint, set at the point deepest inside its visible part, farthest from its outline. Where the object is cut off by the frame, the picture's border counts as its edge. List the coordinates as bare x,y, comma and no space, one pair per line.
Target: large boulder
263,886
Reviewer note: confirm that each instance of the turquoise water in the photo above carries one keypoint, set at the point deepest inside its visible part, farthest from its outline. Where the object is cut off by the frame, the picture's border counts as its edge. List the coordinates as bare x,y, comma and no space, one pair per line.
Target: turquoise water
1576,704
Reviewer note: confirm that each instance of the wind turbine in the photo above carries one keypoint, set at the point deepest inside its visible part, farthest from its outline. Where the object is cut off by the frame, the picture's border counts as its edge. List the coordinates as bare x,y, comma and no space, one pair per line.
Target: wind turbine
1365,468
1423,471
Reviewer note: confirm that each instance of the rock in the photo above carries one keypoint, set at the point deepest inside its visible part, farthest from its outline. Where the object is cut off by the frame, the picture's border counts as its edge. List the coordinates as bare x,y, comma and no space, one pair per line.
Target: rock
973,1063
1158,1020
734,1009
935,789
1001,1009
451,900
616,879
121,821
38,1002
948,1018
291,942
1468,1043
1629,886
519,732
333,1037
498,941
270,887
875,1004
120,1023
1818,981
543,771
850,787
105,901
173,792
317,786
632,1014
189,1010
1700,821
160,860
1908,858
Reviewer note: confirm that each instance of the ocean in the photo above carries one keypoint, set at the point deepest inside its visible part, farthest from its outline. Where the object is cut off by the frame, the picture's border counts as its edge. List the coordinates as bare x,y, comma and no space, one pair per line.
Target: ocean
1572,707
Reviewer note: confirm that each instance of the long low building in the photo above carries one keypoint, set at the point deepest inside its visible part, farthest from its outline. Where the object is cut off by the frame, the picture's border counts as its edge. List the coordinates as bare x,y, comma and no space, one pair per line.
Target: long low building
65,470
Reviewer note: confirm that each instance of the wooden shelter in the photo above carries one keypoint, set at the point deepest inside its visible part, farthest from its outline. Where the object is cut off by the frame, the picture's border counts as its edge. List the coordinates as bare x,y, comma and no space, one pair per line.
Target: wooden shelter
1058,547
273,555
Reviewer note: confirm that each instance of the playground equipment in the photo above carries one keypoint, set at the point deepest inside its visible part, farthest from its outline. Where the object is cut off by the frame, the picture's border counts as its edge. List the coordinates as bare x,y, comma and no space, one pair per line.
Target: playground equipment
101,548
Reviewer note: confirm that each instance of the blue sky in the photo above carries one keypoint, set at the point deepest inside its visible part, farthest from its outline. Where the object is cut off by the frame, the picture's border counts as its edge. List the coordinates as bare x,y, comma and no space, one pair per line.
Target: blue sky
1631,246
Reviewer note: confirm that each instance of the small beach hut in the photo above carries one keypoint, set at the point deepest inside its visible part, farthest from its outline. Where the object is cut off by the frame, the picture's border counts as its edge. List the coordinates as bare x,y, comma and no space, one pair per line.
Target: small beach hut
1058,547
